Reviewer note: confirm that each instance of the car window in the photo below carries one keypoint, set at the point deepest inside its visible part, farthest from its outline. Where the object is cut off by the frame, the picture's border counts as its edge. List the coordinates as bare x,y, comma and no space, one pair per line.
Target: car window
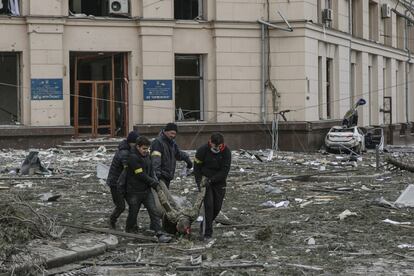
342,130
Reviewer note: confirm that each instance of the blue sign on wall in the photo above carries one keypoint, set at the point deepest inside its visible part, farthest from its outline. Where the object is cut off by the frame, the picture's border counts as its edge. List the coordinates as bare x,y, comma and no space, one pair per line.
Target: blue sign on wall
47,89
155,90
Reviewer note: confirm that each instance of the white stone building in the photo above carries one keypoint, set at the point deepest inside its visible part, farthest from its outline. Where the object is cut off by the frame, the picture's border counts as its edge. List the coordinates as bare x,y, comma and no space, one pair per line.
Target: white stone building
87,66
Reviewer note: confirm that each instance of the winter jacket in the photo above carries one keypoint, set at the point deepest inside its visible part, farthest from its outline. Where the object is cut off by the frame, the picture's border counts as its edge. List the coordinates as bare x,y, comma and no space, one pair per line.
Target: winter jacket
120,159
164,153
214,166
139,173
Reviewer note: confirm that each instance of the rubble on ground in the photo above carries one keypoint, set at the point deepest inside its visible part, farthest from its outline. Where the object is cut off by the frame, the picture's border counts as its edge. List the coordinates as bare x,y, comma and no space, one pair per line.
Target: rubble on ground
284,214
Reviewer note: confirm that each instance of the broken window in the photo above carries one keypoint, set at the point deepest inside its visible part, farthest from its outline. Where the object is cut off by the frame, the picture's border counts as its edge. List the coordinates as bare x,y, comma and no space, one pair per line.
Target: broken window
10,7
100,7
188,87
188,9
9,88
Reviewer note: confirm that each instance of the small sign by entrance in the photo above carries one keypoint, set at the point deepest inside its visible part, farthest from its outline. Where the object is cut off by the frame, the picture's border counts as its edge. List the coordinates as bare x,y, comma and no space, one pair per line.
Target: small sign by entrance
47,89
156,90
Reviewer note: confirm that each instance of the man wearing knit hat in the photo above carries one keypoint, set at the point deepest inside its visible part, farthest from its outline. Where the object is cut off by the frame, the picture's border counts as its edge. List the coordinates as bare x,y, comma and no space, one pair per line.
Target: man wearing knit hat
119,161
165,152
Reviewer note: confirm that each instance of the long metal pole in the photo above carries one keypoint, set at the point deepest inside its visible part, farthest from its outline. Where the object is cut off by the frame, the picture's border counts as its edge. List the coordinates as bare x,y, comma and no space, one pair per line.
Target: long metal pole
263,73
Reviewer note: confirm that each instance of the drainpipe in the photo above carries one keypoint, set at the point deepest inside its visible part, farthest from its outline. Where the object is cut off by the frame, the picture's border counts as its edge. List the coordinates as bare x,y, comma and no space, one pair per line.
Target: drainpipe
350,45
263,74
264,26
407,66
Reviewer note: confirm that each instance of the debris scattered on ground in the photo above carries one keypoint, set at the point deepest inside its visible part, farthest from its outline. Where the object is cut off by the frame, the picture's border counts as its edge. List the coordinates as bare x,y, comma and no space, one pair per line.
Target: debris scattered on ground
346,214
248,238
406,199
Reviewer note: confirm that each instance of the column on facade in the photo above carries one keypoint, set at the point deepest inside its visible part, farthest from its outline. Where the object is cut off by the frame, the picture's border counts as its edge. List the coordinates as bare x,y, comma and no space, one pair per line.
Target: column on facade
342,94
46,64
238,60
312,78
391,89
400,92
157,65
322,101
378,90
362,87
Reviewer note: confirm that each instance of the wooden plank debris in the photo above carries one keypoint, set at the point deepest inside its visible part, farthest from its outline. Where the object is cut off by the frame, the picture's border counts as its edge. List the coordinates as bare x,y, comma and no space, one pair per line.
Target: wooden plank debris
110,231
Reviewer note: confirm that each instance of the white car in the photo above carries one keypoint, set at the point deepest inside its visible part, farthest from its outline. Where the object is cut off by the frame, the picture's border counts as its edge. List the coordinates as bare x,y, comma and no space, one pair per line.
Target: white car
341,138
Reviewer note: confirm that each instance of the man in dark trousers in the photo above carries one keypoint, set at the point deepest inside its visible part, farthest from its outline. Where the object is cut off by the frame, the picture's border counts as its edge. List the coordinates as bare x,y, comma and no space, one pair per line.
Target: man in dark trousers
119,161
165,152
140,180
212,161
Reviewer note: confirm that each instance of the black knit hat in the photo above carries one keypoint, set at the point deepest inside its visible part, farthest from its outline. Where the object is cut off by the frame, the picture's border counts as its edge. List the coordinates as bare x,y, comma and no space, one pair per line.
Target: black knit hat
171,126
132,137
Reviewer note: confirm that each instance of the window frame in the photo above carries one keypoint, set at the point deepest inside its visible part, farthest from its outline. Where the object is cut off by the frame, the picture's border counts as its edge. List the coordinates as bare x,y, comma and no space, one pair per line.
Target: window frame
200,8
200,78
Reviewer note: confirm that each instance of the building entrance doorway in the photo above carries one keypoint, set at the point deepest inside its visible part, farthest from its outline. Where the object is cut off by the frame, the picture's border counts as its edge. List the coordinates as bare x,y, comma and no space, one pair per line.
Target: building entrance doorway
93,109
99,85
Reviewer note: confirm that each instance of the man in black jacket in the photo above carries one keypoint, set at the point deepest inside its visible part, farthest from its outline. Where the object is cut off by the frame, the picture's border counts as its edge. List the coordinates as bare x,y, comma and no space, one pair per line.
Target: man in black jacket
212,161
165,152
140,180
119,161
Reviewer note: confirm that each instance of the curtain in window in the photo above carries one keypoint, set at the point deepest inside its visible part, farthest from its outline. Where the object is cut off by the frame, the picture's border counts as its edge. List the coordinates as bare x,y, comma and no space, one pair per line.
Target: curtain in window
14,7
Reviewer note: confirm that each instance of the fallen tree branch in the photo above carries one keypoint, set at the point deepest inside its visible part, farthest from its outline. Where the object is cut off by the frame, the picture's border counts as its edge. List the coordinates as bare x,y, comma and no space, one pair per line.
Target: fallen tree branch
125,263
398,164
219,266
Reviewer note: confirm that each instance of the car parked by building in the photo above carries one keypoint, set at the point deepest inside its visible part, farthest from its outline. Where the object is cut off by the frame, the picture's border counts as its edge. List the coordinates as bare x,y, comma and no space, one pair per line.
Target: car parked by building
345,139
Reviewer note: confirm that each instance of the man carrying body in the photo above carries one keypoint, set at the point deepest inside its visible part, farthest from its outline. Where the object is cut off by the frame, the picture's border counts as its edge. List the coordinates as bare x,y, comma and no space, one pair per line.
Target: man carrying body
140,180
119,161
212,161
165,152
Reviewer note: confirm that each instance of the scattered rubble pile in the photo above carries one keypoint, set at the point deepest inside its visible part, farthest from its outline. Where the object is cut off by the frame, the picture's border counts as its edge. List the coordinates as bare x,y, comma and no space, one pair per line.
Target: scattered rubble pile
284,214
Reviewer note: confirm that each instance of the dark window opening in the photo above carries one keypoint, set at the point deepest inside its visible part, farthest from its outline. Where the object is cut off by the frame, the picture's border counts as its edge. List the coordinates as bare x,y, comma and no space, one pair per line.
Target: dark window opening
328,88
10,7
188,9
188,88
99,89
99,7
9,88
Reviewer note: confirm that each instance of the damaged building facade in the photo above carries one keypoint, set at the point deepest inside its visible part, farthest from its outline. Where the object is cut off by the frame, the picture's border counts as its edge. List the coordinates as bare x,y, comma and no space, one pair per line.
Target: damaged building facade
99,68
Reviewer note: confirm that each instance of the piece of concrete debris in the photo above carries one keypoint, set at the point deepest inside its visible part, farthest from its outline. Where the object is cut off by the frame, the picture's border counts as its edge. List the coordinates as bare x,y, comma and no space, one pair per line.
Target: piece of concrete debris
346,214
32,165
272,190
396,222
229,234
384,203
49,197
87,176
102,171
271,203
365,188
196,260
270,156
24,185
311,241
406,199
406,245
